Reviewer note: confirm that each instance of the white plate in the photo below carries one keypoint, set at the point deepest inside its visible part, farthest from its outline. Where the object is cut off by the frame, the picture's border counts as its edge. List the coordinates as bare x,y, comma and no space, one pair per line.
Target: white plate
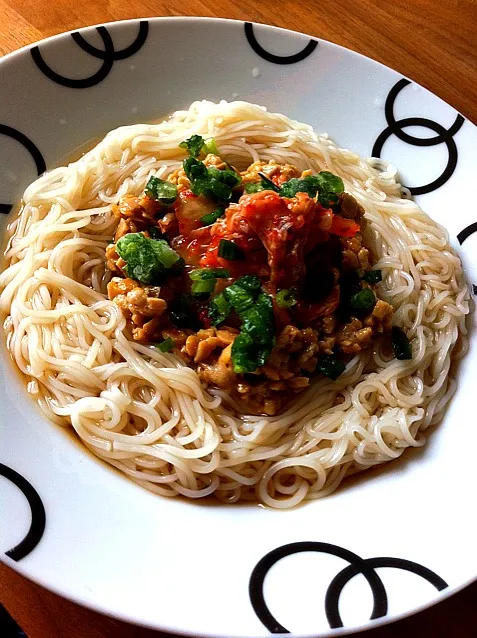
88,533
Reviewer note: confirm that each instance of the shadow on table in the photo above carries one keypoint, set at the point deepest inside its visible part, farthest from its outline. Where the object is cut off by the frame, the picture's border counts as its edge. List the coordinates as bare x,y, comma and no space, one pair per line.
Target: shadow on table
8,627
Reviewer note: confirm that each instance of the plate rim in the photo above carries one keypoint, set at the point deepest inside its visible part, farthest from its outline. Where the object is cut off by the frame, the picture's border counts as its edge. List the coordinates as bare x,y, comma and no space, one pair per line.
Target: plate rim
446,593
225,21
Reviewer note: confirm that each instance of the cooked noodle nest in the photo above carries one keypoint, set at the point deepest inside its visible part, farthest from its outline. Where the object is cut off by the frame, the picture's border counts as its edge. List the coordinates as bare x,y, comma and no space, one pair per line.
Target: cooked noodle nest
145,412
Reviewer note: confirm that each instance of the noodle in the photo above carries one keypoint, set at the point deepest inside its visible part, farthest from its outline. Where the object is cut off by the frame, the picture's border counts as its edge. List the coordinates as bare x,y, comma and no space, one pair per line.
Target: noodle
145,412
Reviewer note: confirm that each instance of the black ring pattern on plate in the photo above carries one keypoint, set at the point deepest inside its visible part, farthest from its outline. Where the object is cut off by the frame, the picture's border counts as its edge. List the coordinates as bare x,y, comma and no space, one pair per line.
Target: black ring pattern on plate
30,147
38,516
462,236
277,59
108,55
357,565
444,136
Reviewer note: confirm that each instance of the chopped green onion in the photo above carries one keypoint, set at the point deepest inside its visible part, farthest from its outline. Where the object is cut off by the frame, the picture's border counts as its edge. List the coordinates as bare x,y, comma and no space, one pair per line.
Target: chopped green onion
363,300
146,259
226,176
204,280
373,276
229,250
253,345
265,184
210,146
195,170
193,145
167,345
220,190
212,217
330,366
209,273
268,184
253,187
255,309
162,191
240,298
196,144
401,344
219,309
325,186
285,299
203,286
211,182
249,282
165,253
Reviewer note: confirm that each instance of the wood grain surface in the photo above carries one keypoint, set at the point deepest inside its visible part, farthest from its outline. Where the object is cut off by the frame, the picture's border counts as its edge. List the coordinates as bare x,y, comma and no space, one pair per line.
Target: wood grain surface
434,42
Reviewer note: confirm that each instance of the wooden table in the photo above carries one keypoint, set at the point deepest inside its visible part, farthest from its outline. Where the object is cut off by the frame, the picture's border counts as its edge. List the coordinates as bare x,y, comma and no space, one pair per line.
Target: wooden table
431,41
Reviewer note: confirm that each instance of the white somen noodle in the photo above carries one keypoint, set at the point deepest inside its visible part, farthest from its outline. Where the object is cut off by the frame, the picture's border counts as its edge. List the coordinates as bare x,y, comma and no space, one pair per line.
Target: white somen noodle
145,412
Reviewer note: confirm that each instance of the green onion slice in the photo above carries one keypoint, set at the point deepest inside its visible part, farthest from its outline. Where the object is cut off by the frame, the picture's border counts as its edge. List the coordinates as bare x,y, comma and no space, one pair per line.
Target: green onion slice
330,366
401,344
373,276
230,250
167,345
285,299
363,300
